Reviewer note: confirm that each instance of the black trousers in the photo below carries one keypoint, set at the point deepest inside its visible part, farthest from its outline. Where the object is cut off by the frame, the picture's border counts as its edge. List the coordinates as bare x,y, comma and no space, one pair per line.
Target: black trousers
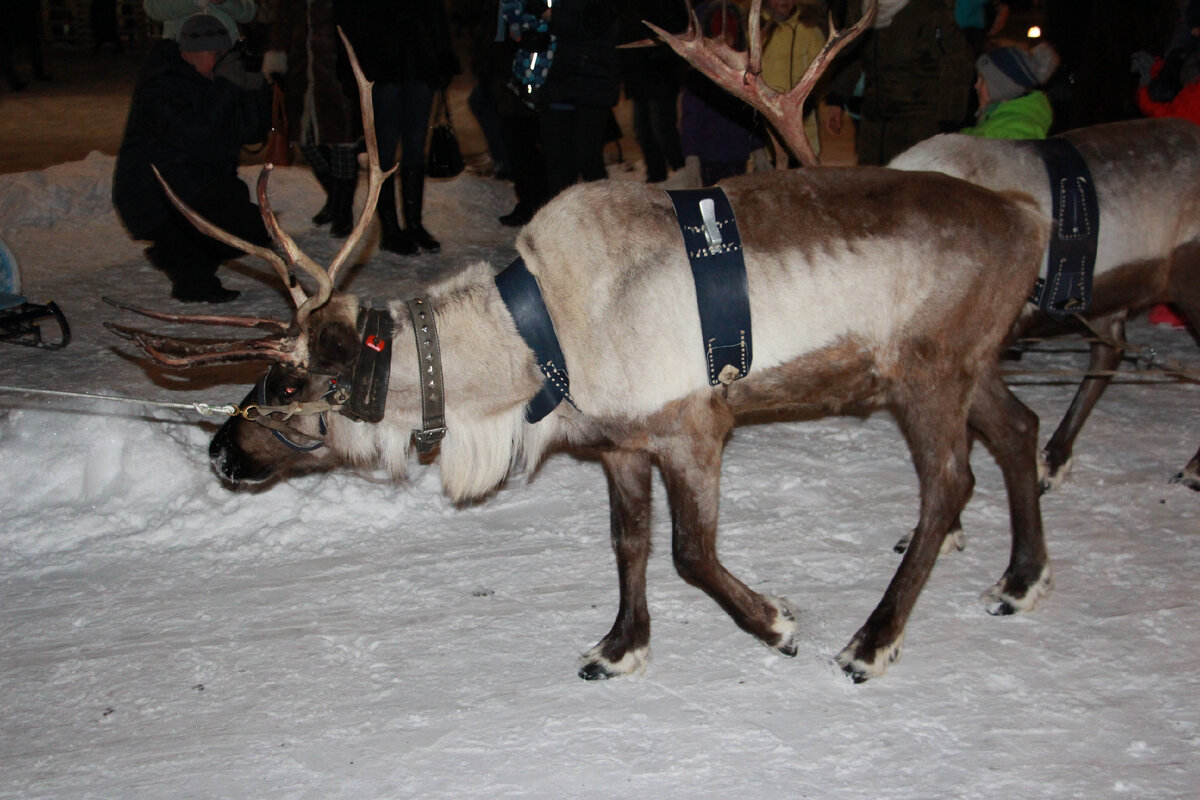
573,144
191,258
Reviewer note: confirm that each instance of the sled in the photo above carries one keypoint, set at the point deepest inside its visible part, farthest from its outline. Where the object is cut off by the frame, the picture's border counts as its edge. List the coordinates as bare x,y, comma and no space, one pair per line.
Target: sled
23,322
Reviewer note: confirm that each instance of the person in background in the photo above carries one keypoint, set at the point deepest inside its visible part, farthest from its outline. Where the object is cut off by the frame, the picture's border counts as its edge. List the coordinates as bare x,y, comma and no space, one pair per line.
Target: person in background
405,49
1010,104
583,85
102,17
488,67
1170,87
717,130
979,19
519,115
305,56
173,13
193,108
793,35
916,66
21,26
653,77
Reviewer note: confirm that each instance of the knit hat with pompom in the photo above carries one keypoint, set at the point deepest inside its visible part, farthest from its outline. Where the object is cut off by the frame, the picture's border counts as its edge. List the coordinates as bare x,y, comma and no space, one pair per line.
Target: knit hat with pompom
1010,72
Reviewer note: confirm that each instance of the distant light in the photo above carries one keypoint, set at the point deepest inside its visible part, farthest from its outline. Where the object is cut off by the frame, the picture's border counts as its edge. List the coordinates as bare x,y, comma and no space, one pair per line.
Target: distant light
1034,32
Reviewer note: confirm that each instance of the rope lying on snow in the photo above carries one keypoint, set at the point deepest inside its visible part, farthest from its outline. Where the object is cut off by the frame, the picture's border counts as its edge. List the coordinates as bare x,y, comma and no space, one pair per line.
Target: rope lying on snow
206,409
253,412
1149,362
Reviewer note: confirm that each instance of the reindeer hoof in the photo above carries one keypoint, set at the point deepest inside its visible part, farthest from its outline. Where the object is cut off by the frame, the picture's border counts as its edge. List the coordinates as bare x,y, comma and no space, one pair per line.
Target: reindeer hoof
595,667
860,667
955,540
785,626
1051,477
1007,597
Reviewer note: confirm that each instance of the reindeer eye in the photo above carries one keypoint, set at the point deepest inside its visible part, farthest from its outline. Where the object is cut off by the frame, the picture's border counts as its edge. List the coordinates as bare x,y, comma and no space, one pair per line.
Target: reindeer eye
288,391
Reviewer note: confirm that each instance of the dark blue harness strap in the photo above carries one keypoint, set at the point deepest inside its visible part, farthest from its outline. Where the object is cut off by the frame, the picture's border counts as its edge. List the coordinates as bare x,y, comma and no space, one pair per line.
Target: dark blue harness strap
1071,262
520,292
714,250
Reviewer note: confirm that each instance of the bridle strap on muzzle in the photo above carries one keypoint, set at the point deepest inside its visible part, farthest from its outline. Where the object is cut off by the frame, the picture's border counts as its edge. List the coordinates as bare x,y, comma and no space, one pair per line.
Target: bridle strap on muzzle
429,361
279,429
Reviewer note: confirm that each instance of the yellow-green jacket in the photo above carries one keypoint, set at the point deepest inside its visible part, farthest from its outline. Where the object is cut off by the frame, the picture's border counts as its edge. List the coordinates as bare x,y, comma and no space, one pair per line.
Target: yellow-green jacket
790,47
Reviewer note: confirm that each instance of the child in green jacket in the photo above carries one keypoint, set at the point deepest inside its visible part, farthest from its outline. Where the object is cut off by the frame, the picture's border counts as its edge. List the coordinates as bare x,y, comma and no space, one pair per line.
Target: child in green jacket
1010,105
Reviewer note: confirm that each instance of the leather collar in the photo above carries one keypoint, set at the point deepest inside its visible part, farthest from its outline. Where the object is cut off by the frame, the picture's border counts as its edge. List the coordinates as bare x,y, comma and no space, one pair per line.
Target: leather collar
372,367
429,362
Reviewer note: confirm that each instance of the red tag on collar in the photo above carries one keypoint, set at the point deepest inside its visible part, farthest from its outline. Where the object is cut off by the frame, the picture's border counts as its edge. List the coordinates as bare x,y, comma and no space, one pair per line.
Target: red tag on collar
375,343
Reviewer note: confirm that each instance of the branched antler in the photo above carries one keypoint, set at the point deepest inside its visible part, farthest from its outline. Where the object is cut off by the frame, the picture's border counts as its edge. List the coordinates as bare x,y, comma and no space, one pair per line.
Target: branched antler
226,320
175,352
740,73
375,174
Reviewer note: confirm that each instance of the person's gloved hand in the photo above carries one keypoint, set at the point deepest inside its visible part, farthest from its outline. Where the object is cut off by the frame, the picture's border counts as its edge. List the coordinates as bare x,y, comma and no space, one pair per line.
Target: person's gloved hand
1141,63
231,68
274,65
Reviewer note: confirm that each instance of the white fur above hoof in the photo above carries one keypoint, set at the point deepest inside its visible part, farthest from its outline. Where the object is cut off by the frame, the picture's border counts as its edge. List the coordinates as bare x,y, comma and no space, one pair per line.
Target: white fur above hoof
1050,481
785,625
595,667
861,670
954,540
1001,601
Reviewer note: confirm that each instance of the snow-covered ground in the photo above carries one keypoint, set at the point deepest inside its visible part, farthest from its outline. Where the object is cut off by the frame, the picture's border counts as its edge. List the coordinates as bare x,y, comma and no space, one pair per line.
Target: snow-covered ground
337,636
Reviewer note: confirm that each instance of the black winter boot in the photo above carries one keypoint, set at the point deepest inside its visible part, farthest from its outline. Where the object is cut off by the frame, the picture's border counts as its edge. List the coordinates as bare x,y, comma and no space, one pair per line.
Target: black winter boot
392,237
412,195
341,207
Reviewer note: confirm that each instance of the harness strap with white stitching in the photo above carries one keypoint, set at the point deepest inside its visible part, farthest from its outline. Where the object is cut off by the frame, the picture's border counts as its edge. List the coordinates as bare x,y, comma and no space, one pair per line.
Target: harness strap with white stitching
1071,260
714,250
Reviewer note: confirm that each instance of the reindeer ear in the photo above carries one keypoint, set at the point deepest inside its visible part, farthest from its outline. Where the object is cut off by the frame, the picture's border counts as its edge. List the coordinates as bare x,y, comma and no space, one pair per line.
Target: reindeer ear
336,345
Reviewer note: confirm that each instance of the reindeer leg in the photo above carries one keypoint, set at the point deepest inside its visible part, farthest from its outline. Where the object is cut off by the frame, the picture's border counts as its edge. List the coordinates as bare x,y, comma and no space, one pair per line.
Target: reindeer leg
691,467
1185,294
1054,461
626,648
955,539
1010,429
937,436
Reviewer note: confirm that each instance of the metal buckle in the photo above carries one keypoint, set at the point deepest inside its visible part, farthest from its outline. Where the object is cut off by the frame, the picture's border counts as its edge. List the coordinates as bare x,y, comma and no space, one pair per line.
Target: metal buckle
427,438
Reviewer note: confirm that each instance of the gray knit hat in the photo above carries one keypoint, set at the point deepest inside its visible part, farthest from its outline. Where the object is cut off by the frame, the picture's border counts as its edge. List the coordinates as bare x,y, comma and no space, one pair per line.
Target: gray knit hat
202,32
1010,72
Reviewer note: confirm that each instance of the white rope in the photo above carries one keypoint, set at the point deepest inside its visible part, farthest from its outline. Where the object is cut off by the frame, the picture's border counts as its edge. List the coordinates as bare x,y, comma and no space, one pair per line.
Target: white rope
206,409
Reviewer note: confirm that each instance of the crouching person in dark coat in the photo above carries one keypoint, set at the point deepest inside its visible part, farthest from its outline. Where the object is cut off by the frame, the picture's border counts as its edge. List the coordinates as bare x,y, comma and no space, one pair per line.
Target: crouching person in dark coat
193,108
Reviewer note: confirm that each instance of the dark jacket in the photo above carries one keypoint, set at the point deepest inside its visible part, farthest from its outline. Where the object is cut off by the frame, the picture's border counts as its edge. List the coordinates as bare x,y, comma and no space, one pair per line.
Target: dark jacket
190,127
918,66
656,72
585,70
399,40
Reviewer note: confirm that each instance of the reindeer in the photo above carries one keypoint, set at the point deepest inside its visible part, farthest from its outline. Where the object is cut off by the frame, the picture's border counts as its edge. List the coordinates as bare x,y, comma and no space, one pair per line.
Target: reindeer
869,288
1144,173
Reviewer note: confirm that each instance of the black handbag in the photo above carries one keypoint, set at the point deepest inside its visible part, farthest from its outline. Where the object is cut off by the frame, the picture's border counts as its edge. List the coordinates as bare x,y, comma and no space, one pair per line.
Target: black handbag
445,158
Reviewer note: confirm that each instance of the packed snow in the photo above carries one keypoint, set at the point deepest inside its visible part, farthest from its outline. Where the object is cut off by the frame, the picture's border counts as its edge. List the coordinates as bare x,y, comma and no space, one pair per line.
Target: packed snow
339,636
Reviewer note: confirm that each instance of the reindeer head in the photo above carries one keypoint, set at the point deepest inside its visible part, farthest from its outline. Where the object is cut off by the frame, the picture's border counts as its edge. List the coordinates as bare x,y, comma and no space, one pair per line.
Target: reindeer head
314,356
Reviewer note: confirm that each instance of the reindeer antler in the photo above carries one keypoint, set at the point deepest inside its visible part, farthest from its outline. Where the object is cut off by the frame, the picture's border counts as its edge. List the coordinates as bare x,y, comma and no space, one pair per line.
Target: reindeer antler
289,345
375,174
740,73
